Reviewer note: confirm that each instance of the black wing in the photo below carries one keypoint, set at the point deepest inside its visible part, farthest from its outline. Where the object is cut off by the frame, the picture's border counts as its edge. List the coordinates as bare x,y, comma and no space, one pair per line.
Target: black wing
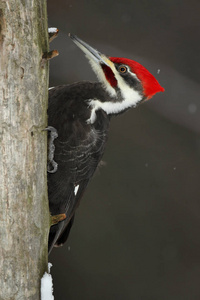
78,151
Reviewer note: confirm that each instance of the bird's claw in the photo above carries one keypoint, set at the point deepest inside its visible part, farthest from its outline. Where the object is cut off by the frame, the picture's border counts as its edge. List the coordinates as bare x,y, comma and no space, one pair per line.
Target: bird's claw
52,165
57,218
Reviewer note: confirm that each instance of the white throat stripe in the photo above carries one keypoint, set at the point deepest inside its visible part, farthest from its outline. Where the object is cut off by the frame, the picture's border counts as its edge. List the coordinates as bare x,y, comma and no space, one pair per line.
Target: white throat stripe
132,98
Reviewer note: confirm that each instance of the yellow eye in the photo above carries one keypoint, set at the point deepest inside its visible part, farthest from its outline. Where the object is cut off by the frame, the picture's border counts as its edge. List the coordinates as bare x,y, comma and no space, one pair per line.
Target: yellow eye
123,69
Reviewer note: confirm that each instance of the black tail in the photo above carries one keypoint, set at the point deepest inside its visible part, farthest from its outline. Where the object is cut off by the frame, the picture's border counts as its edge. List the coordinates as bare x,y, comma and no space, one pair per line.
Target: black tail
59,234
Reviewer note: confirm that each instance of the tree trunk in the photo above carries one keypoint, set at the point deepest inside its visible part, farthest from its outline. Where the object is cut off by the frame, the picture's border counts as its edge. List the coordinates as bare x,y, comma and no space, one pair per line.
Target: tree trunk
24,214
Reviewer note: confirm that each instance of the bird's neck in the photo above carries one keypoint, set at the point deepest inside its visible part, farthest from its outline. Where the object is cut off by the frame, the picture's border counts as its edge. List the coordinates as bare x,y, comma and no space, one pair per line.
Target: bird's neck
123,99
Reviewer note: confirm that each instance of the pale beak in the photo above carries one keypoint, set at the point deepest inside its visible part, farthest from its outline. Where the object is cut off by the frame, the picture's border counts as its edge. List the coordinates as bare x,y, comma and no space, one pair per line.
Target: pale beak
89,51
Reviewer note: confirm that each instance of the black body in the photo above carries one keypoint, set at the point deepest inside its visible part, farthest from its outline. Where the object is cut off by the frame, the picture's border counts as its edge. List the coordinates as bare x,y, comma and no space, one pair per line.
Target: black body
78,149
81,113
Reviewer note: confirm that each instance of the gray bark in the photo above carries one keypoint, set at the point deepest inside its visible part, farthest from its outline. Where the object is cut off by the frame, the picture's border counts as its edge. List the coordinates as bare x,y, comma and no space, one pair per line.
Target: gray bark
24,214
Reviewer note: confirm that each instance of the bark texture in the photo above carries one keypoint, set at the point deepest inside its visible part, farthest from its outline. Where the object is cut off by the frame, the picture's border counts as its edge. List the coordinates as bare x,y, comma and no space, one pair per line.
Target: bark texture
24,214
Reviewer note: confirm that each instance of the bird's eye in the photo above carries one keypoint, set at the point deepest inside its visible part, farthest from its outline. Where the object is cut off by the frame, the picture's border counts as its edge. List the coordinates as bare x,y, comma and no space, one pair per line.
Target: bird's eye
123,69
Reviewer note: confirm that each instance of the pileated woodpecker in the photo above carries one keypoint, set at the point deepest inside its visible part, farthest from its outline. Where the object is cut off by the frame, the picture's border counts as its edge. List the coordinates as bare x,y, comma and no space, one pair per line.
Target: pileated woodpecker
81,114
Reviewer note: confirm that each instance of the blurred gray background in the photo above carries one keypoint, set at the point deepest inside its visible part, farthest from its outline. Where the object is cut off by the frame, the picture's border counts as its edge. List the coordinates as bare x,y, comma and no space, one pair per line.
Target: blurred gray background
137,231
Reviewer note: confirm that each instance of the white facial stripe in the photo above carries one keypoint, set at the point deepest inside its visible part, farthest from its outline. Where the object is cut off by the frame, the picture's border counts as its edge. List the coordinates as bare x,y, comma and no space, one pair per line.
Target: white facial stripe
129,95
131,98
133,74
51,88
101,76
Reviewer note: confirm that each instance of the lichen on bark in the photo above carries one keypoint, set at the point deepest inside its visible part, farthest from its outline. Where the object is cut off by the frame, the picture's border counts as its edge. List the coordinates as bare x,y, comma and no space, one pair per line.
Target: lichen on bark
24,215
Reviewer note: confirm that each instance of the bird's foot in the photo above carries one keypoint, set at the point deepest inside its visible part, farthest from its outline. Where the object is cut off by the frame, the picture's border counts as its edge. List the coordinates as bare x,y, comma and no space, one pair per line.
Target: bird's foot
57,218
52,165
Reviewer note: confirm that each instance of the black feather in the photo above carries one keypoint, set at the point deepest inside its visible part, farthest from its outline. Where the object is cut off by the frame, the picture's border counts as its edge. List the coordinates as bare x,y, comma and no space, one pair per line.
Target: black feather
78,150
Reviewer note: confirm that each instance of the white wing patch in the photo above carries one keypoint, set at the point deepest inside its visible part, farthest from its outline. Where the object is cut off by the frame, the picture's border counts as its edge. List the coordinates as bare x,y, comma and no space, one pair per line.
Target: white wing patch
76,189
